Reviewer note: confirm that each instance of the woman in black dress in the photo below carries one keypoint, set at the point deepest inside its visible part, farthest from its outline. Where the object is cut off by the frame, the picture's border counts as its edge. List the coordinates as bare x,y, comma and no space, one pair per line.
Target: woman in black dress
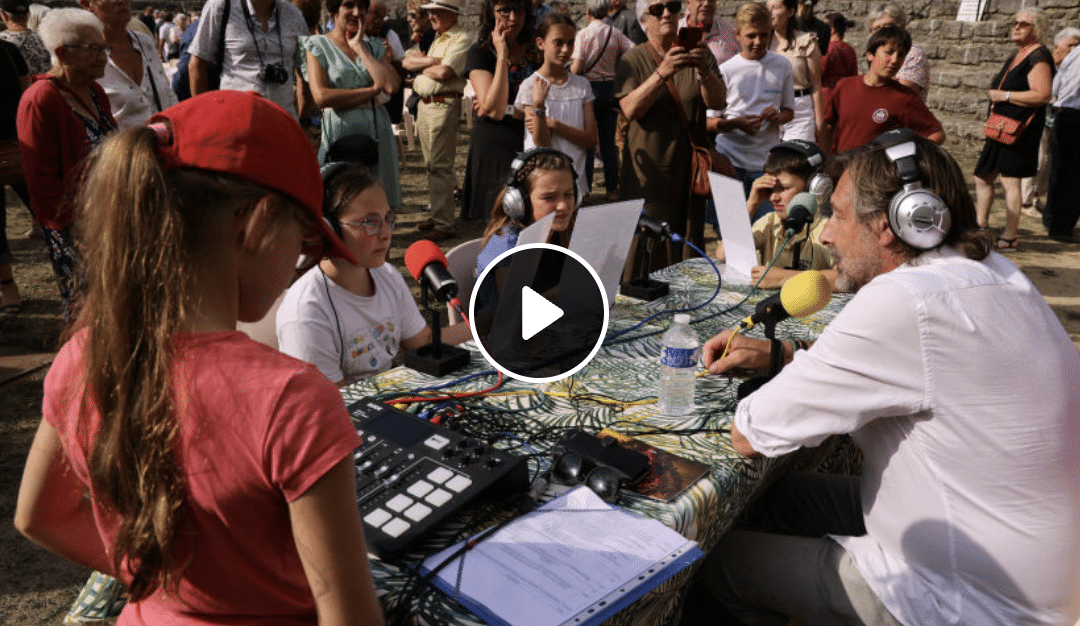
503,56
1020,91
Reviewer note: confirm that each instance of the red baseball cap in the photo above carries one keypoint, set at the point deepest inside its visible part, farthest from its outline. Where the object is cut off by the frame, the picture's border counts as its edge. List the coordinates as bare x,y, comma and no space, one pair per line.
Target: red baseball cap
243,134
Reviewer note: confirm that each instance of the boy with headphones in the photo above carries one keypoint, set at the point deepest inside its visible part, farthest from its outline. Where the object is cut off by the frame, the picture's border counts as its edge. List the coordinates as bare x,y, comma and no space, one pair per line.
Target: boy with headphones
792,167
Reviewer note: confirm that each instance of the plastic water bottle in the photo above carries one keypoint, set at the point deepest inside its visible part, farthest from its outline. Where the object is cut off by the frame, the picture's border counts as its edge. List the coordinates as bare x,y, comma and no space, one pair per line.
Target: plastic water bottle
678,367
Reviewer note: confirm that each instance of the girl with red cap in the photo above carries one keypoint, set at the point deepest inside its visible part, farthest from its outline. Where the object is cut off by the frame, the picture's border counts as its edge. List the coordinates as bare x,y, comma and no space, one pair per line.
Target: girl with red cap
219,472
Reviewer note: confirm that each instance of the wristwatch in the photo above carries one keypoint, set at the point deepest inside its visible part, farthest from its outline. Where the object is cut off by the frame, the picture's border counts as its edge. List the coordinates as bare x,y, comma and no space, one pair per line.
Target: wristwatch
540,111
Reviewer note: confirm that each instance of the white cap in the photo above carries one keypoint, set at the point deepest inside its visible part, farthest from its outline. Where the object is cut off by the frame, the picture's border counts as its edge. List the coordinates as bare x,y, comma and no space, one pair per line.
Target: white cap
682,318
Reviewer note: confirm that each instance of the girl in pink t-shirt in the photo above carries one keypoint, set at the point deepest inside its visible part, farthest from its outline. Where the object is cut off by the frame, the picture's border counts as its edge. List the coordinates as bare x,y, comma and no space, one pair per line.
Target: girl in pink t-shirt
219,472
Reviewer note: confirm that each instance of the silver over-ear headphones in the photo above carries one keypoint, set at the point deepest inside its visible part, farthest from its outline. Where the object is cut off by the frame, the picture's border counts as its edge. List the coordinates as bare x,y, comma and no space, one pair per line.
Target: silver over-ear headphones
820,185
917,215
516,203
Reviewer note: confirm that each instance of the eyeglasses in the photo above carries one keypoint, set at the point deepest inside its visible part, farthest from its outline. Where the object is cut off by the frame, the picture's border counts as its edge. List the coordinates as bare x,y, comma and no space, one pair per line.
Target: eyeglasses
372,224
92,48
1019,24
657,10
506,11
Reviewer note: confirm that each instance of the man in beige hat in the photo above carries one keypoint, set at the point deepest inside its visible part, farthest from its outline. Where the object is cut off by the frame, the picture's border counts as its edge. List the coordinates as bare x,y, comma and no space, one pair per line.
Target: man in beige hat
440,84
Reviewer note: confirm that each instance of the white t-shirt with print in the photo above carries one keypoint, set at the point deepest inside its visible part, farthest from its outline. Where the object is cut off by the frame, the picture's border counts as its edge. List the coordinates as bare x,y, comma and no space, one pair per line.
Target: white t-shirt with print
345,335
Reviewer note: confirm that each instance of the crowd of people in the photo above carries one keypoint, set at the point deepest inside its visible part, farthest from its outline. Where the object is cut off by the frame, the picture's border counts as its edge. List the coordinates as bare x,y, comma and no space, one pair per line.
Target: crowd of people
174,210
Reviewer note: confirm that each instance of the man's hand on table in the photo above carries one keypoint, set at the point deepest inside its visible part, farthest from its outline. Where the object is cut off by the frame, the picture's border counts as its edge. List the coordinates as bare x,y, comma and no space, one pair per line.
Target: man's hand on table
745,353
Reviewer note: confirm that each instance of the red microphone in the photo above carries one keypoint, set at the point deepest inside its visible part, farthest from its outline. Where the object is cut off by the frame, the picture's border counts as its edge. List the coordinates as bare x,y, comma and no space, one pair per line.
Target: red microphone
427,264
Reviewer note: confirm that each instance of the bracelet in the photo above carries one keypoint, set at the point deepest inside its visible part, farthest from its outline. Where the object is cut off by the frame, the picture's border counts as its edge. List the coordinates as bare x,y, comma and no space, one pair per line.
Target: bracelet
1008,96
699,76
659,75
540,111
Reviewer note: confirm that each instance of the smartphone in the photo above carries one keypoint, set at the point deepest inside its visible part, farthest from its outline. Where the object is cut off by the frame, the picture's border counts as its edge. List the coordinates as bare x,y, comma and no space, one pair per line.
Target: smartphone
689,37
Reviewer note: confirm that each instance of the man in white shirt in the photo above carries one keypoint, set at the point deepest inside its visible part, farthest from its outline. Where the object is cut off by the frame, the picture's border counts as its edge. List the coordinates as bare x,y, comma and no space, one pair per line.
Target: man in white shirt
261,41
958,384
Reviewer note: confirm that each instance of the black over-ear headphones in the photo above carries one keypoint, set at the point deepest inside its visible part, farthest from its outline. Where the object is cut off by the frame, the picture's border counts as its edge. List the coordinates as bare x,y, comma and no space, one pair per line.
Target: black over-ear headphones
820,185
516,203
330,216
917,215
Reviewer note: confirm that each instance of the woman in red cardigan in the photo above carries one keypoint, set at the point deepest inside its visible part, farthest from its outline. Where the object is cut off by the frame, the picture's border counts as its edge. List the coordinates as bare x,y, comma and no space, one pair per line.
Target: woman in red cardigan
61,118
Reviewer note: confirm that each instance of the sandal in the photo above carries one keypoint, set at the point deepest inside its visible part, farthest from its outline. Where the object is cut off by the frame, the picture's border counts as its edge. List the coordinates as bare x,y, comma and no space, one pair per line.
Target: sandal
11,308
1004,244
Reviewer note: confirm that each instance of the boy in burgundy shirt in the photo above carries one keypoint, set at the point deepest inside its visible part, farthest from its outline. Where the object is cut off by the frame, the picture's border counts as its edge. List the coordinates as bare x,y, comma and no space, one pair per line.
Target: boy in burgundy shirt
862,107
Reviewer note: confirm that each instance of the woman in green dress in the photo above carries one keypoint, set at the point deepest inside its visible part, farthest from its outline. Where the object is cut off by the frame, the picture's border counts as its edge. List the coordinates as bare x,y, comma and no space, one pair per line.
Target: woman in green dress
351,78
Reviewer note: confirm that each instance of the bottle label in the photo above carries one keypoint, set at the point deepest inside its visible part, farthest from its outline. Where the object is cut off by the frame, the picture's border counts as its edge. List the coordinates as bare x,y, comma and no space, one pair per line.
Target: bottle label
678,357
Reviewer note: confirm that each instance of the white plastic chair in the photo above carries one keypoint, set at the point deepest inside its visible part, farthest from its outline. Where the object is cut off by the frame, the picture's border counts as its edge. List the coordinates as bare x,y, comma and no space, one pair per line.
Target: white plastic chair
461,261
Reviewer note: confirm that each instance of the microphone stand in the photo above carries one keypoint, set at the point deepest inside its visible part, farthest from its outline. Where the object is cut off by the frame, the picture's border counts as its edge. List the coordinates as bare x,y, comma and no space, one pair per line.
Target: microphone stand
436,358
776,362
642,287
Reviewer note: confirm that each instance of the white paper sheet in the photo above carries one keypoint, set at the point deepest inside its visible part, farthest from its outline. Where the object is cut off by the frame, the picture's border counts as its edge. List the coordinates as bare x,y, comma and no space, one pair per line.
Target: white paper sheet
602,236
537,232
551,565
734,220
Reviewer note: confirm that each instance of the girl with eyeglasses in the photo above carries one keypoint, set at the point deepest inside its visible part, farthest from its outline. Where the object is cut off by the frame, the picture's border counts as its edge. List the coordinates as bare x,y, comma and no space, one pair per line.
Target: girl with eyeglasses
212,475
501,59
664,90
60,120
351,319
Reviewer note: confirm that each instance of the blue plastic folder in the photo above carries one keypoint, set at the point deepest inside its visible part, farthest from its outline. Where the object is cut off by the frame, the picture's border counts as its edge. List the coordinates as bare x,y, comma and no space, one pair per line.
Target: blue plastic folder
575,561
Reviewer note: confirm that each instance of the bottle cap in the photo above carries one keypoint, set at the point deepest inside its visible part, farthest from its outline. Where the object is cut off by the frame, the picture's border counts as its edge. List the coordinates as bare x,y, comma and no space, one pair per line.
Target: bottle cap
682,318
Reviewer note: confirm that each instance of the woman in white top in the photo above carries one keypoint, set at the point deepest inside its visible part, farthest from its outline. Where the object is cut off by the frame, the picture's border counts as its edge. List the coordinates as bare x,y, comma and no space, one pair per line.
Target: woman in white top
802,50
134,79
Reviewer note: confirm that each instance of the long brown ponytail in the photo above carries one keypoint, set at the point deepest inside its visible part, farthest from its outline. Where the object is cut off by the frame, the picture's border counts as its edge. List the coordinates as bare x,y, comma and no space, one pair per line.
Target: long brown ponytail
138,229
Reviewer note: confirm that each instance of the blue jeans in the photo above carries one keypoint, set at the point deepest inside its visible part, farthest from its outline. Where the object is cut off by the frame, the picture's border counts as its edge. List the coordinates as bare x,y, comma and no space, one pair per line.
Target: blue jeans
606,115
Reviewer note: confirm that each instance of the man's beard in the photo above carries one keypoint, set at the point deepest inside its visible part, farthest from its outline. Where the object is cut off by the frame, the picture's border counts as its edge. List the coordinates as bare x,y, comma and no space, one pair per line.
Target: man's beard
856,270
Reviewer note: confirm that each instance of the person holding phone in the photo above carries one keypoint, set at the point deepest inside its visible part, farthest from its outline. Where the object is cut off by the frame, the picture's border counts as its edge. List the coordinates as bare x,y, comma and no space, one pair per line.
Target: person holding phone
716,35
653,81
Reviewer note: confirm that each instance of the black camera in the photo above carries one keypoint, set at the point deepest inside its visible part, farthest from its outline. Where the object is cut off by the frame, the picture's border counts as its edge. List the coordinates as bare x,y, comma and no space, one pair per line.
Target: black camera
274,73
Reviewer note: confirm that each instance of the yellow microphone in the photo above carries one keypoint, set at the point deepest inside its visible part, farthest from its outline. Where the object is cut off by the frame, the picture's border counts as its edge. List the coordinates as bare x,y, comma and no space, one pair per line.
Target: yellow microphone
803,294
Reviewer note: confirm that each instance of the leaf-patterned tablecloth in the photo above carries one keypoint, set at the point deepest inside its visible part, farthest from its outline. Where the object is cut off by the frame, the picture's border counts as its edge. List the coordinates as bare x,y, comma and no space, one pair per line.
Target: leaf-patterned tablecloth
629,370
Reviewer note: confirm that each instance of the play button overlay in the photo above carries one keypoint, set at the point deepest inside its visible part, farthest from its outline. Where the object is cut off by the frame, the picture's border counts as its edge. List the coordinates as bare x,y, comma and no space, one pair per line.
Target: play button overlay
536,313
539,313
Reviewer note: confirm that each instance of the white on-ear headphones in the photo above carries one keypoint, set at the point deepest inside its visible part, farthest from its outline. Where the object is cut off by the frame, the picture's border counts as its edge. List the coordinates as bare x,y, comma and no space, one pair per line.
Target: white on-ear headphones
917,215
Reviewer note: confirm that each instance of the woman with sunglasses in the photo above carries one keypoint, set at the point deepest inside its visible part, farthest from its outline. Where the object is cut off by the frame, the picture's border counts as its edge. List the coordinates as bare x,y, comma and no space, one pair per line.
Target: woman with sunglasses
664,91
1020,91
60,120
503,56
347,319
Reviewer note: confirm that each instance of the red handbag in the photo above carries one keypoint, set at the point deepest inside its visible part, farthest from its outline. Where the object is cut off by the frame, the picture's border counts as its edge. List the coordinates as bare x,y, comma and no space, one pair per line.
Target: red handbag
1004,130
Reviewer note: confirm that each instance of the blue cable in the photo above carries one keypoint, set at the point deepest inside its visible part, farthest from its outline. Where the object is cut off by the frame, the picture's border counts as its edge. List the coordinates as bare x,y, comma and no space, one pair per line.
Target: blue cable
675,237
531,449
